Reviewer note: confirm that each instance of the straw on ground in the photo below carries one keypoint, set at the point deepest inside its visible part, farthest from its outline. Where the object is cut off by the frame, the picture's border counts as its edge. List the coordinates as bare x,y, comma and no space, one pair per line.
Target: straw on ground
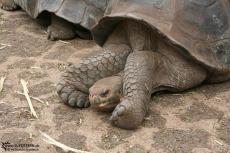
4,46
50,140
26,93
34,98
2,80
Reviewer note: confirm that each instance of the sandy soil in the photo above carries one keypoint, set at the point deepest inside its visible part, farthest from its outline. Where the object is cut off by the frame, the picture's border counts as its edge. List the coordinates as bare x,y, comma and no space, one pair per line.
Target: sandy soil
196,121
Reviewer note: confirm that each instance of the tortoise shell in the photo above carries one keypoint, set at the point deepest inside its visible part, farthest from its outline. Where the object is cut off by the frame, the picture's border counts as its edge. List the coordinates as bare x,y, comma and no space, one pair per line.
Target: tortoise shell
83,12
200,28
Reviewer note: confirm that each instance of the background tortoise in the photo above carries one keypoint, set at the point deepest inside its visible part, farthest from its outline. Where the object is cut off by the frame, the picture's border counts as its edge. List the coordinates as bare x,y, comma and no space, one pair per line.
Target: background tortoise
65,19
161,45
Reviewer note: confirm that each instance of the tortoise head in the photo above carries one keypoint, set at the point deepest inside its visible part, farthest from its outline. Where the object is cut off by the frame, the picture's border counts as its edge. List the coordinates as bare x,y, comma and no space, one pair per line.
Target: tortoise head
105,94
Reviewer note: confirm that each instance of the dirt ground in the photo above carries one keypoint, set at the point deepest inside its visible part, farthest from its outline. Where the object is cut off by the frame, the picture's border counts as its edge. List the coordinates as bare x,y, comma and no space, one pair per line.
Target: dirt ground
196,121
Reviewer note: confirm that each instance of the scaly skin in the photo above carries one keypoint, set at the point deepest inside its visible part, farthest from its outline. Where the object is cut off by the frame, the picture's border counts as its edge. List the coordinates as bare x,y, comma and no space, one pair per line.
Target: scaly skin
60,29
74,84
137,89
153,65
9,5
147,72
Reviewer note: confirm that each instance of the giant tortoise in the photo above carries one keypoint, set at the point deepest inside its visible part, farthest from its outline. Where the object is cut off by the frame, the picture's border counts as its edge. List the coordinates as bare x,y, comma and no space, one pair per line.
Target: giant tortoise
159,45
68,18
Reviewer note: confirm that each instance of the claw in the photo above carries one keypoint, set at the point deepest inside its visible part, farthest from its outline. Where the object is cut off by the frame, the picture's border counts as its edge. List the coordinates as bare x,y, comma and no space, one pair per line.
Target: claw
118,112
64,97
71,96
72,102
50,35
80,103
87,104
59,88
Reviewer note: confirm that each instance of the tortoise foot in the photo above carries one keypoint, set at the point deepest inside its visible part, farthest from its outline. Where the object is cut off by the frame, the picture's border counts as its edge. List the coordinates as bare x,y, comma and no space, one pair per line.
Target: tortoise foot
60,29
9,5
72,97
127,117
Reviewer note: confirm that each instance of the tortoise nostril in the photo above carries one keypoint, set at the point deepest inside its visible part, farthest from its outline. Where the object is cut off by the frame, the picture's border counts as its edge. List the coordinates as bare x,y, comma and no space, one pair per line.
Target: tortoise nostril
105,93
91,95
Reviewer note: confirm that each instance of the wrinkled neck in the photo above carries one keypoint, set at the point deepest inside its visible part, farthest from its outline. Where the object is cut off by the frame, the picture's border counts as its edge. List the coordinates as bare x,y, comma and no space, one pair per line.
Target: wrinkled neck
140,36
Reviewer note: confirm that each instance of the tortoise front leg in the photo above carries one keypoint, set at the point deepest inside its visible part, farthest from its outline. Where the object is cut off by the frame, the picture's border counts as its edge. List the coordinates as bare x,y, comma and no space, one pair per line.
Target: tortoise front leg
9,5
147,72
74,85
137,89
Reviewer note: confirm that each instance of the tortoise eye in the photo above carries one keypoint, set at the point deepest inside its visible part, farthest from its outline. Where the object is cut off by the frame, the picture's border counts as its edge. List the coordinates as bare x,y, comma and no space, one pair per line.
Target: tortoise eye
105,93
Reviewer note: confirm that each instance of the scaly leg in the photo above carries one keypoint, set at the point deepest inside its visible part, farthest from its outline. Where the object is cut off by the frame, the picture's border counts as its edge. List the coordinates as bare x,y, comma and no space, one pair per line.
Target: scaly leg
60,29
147,72
76,81
137,90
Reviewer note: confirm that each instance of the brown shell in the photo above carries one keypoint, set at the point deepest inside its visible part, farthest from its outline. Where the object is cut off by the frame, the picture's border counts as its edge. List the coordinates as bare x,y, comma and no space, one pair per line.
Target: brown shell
199,27
83,12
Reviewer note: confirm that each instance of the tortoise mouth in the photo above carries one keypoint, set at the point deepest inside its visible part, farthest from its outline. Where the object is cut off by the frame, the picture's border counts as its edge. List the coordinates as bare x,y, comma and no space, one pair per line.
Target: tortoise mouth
105,106
104,103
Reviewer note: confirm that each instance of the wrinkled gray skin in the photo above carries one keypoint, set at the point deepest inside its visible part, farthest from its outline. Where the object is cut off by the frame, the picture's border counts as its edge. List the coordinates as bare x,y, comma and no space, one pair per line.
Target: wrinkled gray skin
58,28
150,64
